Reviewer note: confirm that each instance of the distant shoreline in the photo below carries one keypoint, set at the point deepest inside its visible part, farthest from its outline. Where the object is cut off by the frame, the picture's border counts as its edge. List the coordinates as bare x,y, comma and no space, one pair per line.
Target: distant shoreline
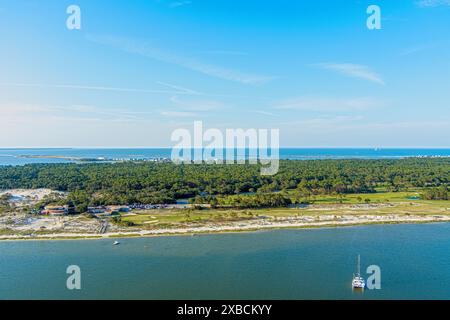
238,227
25,156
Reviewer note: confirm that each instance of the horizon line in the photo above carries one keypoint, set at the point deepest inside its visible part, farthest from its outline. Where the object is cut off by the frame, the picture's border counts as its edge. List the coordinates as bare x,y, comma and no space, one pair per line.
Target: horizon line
281,147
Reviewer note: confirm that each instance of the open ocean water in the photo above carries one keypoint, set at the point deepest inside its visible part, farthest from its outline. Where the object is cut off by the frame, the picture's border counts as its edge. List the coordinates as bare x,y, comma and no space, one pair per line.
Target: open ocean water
25,156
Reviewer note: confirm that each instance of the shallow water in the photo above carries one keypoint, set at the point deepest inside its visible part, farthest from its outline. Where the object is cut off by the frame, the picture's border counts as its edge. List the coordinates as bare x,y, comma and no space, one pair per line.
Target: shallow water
281,264
14,156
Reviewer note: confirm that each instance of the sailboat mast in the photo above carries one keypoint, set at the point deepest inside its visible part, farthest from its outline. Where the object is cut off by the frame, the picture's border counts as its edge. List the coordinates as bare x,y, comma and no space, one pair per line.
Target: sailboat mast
359,265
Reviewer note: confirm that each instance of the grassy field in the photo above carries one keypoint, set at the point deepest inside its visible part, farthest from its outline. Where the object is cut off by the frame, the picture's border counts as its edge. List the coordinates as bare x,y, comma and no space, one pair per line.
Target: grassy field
383,203
379,197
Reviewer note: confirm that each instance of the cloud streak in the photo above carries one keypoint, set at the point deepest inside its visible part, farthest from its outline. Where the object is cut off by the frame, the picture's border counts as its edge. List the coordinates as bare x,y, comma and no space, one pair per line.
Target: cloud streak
19,112
178,114
329,104
177,89
416,49
148,51
432,3
177,4
197,105
352,70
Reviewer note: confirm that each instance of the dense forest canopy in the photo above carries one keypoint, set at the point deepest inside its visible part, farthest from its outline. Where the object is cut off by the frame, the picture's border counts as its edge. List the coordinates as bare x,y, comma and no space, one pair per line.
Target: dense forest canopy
150,183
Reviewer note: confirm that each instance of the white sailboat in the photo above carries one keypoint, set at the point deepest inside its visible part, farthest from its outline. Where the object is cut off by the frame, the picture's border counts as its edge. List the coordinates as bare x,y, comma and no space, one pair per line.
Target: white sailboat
358,282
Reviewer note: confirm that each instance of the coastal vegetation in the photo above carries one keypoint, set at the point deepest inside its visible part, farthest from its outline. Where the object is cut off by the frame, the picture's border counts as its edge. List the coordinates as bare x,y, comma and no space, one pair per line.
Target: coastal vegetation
237,186
327,207
4,202
440,193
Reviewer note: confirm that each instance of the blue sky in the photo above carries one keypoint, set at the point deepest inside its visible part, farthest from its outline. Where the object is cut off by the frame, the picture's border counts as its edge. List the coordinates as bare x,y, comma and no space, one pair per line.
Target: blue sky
137,70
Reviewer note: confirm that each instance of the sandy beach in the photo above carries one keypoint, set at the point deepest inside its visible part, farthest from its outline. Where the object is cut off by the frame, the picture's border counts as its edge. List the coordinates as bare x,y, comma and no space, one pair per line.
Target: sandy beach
90,229
19,224
29,194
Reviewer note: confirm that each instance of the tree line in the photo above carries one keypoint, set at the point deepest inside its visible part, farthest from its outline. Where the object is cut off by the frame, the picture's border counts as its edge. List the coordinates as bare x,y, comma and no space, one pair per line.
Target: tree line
158,183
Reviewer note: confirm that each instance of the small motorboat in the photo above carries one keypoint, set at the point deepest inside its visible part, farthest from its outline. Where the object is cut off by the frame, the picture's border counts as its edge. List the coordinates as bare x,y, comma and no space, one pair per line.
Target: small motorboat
116,243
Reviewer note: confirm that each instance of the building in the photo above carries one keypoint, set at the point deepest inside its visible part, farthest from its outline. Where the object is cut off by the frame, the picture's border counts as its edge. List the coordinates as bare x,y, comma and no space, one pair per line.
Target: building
96,210
55,210
117,209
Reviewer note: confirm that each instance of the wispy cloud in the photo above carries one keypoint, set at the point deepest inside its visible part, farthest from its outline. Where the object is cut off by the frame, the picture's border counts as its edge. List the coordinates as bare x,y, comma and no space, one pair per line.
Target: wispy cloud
416,49
188,107
265,113
225,52
352,70
322,122
432,3
36,125
146,50
177,4
190,104
115,114
19,112
356,131
179,114
329,104
178,90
